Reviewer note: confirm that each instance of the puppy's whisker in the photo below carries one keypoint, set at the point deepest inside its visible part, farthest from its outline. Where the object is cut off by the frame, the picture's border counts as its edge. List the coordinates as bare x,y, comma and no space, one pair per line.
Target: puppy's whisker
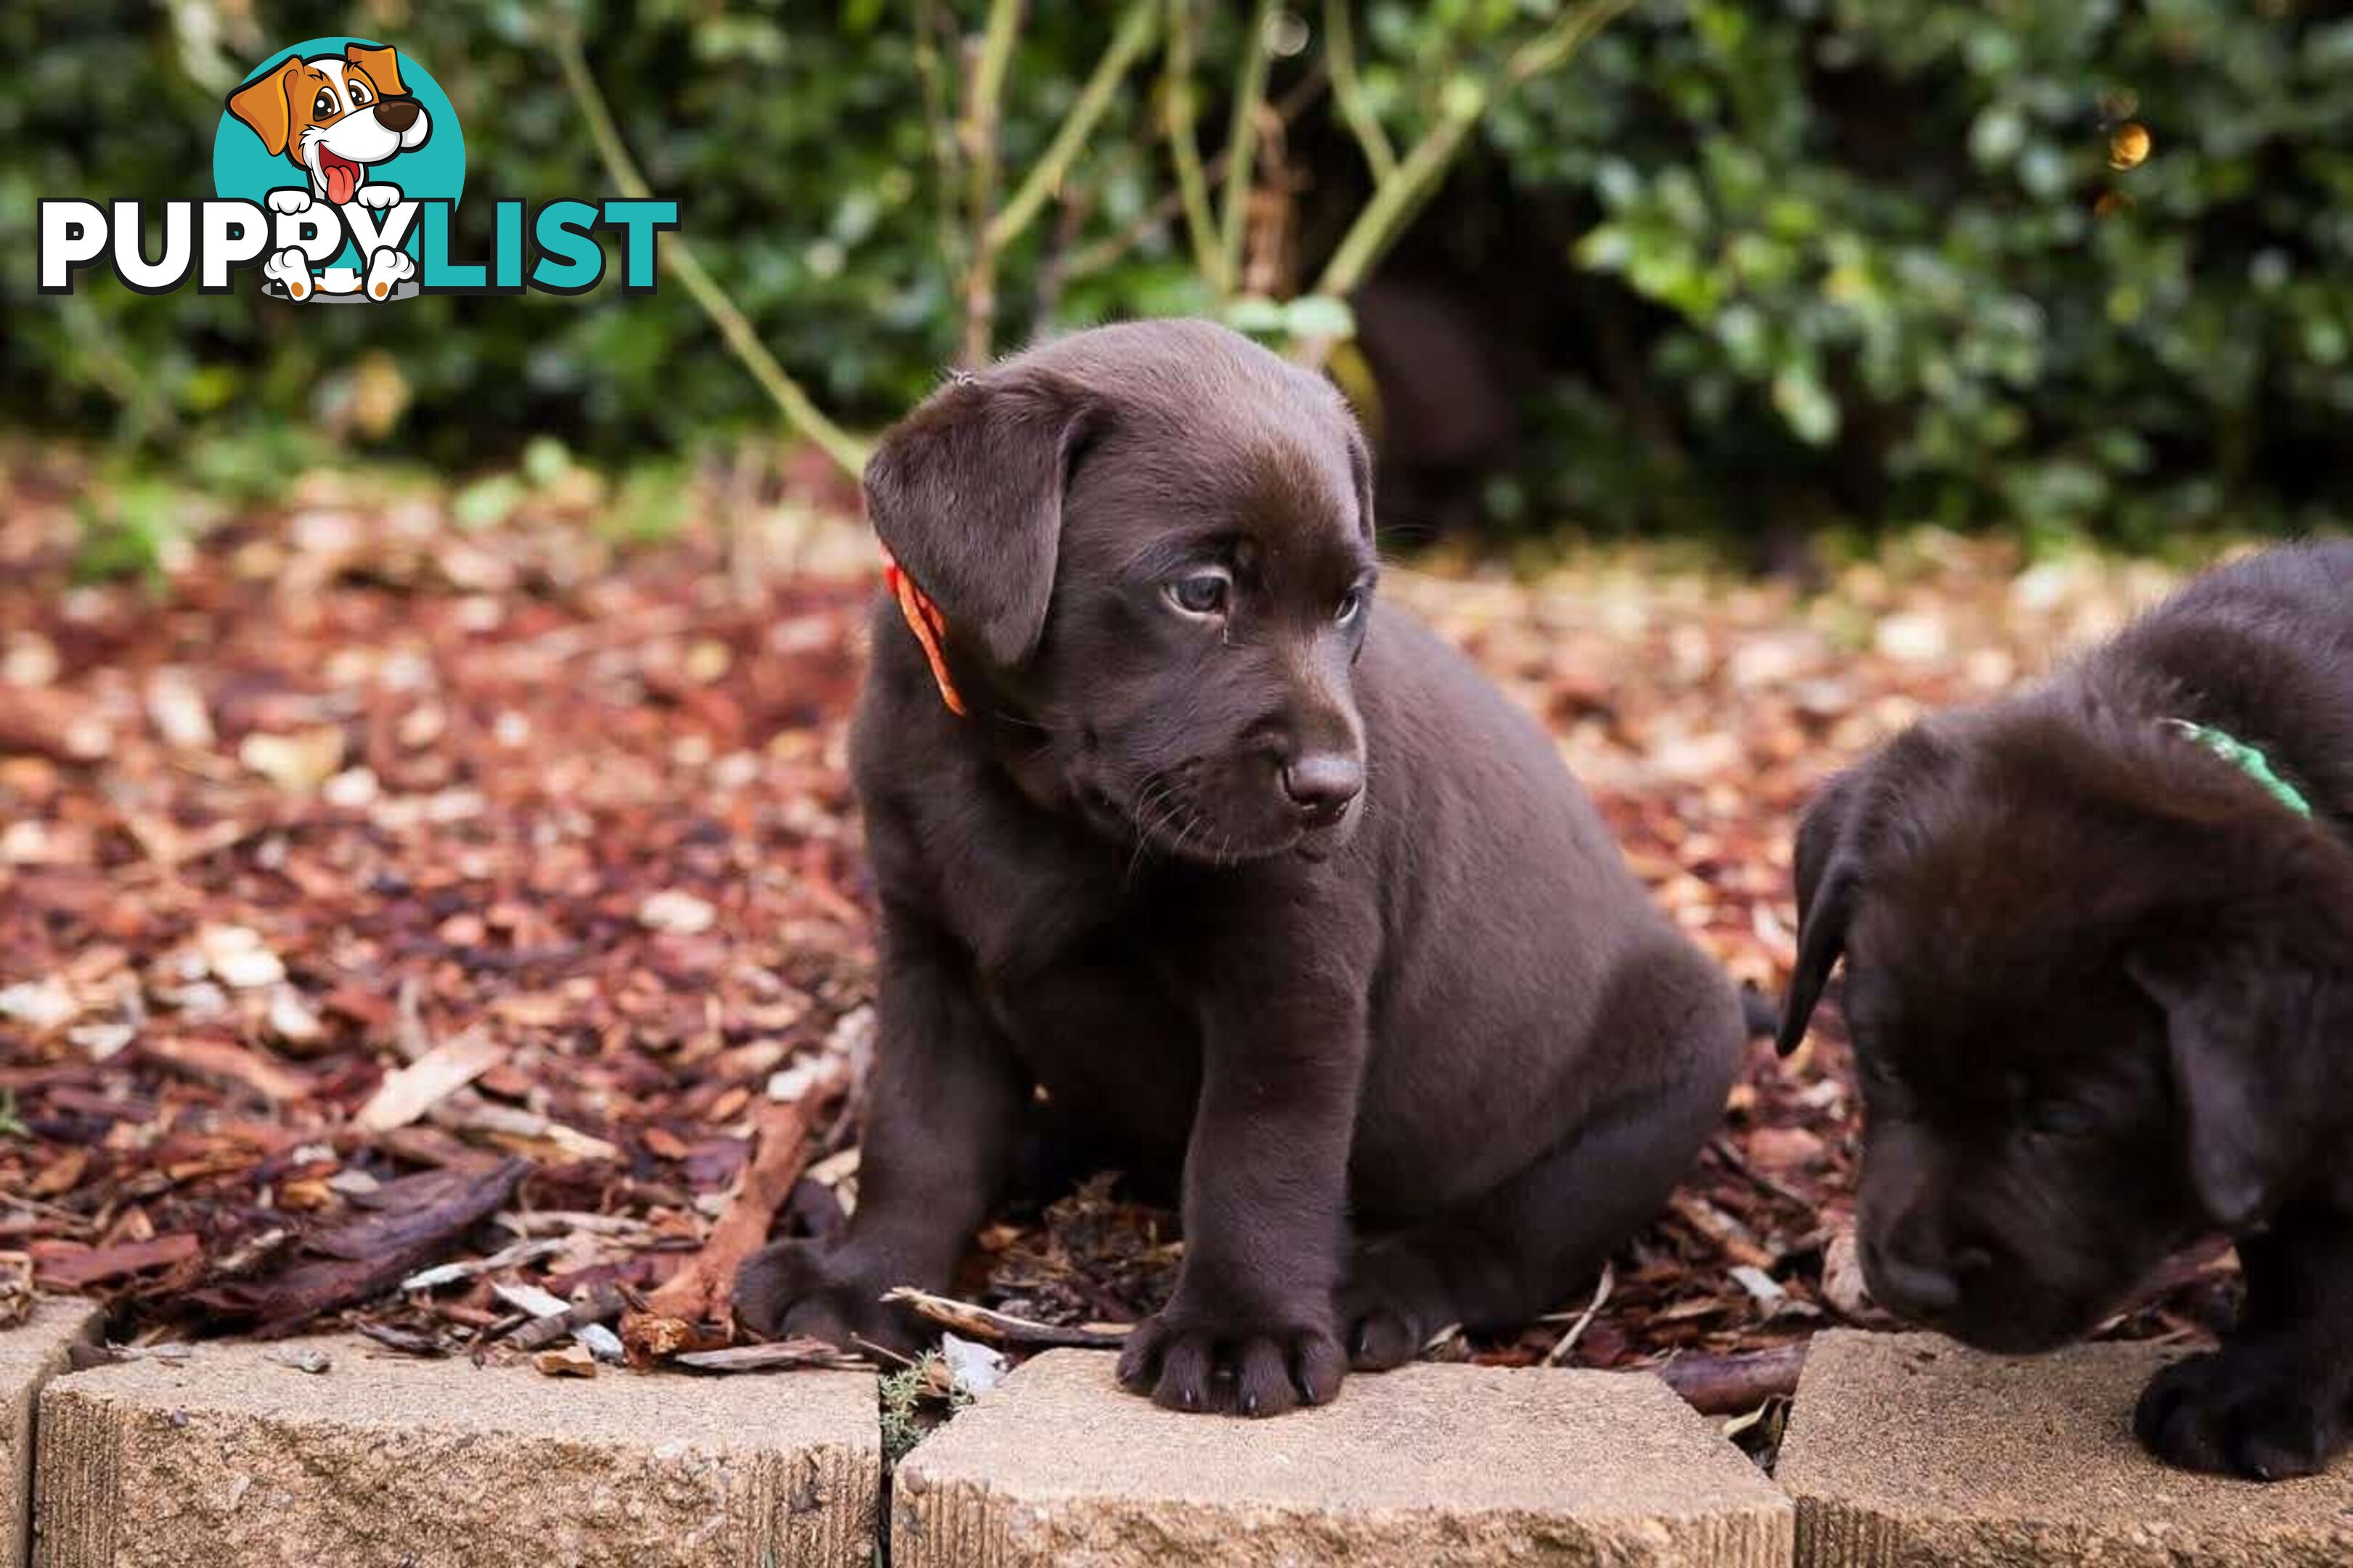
1172,804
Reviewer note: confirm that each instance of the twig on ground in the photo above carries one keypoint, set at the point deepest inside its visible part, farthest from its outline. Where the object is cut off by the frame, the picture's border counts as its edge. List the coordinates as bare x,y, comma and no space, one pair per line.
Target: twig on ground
603,1304
705,1288
782,1355
1601,1292
984,1323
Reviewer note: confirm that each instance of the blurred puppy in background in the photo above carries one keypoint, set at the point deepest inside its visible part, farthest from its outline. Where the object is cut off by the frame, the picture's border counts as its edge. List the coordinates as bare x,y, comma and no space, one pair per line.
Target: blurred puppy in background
2099,958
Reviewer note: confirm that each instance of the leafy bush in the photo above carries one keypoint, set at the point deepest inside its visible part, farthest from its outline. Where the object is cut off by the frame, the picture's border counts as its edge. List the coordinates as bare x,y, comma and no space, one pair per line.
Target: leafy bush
1911,237
1870,256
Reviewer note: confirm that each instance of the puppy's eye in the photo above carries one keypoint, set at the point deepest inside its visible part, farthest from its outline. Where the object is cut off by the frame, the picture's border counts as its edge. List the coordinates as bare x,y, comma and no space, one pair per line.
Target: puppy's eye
324,104
360,95
1352,605
2059,1119
1202,594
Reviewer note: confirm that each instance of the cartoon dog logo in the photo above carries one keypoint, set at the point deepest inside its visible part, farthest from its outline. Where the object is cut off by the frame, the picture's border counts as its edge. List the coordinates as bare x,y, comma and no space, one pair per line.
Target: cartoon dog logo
336,118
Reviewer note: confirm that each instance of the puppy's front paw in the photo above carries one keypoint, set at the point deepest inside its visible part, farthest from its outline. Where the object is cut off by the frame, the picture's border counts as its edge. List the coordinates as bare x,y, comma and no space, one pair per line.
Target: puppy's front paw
290,199
1384,1332
2241,1413
797,1289
1186,1362
376,195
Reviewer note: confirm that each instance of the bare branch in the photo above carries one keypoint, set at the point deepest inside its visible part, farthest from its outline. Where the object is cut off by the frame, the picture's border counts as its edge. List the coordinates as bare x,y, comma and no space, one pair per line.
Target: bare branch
1241,143
1127,45
1185,147
1348,91
800,411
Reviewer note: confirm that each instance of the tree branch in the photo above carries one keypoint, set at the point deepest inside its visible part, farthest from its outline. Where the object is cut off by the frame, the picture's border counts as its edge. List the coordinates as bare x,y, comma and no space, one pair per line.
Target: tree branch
1104,252
1348,92
1461,104
1127,45
1185,147
983,100
800,411
1241,143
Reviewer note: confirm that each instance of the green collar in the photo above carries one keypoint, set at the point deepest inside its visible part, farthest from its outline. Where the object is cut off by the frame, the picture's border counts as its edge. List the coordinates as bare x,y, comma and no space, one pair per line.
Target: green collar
2249,760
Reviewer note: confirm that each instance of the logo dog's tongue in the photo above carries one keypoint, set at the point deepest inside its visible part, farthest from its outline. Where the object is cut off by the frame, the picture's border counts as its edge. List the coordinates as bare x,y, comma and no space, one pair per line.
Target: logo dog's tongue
343,176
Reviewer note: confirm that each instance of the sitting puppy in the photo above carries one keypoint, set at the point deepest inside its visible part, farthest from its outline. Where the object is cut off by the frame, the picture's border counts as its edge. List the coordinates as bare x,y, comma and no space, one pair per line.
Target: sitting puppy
1181,844
2099,949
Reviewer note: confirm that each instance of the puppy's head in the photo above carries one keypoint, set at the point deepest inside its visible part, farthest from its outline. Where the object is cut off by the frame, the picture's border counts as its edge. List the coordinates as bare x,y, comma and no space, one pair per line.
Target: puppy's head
1152,547
333,115
2085,968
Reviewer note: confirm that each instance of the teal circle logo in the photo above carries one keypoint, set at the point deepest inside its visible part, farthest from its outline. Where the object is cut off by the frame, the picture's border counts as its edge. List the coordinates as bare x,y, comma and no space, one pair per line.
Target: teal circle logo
351,125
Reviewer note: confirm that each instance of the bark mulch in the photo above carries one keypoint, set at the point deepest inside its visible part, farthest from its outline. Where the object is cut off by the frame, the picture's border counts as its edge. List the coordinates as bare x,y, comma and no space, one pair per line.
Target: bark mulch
463,937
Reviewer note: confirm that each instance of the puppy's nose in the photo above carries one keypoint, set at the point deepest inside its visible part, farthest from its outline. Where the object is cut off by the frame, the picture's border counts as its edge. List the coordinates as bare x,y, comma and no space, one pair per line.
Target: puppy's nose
397,114
1919,1278
1322,784
1916,1290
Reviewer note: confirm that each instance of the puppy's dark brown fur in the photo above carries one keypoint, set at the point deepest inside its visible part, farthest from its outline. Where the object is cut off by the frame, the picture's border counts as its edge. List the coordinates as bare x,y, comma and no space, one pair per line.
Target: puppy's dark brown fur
2100,988
1423,1054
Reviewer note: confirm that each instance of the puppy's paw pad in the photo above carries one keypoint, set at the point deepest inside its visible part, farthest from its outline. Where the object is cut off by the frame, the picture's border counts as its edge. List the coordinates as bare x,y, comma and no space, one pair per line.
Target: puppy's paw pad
290,199
1187,1364
2240,1415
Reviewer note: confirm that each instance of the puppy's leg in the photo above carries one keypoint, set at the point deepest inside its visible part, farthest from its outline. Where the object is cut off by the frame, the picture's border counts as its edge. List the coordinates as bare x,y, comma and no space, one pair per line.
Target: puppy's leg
1526,1247
1249,1328
1529,1244
2273,1402
945,1104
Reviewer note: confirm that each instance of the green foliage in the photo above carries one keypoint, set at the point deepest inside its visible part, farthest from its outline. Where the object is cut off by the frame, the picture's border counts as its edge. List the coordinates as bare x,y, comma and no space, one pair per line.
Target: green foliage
1889,235
911,1405
1870,254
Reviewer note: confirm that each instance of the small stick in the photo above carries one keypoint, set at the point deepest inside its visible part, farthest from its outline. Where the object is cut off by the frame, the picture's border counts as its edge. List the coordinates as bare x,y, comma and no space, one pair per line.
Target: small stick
983,1324
601,1305
705,1288
1601,1289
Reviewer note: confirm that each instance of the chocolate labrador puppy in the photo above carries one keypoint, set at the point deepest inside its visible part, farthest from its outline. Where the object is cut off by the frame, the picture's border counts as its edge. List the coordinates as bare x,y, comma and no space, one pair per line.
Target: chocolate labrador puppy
1237,875
2099,950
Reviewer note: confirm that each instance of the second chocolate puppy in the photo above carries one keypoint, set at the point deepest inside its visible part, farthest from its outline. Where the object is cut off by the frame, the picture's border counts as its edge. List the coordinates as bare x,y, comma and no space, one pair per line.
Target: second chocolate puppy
1249,877
2098,939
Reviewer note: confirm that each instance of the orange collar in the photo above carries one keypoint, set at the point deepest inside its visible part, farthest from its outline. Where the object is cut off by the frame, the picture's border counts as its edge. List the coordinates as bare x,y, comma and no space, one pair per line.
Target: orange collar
923,619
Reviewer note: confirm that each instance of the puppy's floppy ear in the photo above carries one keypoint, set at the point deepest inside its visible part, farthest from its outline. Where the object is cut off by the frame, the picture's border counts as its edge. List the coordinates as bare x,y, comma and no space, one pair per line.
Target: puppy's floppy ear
2217,1028
966,492
262,104
382,65
1830,870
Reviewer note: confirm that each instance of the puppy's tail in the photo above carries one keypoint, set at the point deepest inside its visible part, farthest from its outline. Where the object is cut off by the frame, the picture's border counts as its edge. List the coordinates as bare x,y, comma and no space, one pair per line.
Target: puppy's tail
1760,1013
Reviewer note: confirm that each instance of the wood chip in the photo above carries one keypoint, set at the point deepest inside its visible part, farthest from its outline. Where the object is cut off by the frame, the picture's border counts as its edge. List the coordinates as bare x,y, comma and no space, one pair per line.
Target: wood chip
410,1091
